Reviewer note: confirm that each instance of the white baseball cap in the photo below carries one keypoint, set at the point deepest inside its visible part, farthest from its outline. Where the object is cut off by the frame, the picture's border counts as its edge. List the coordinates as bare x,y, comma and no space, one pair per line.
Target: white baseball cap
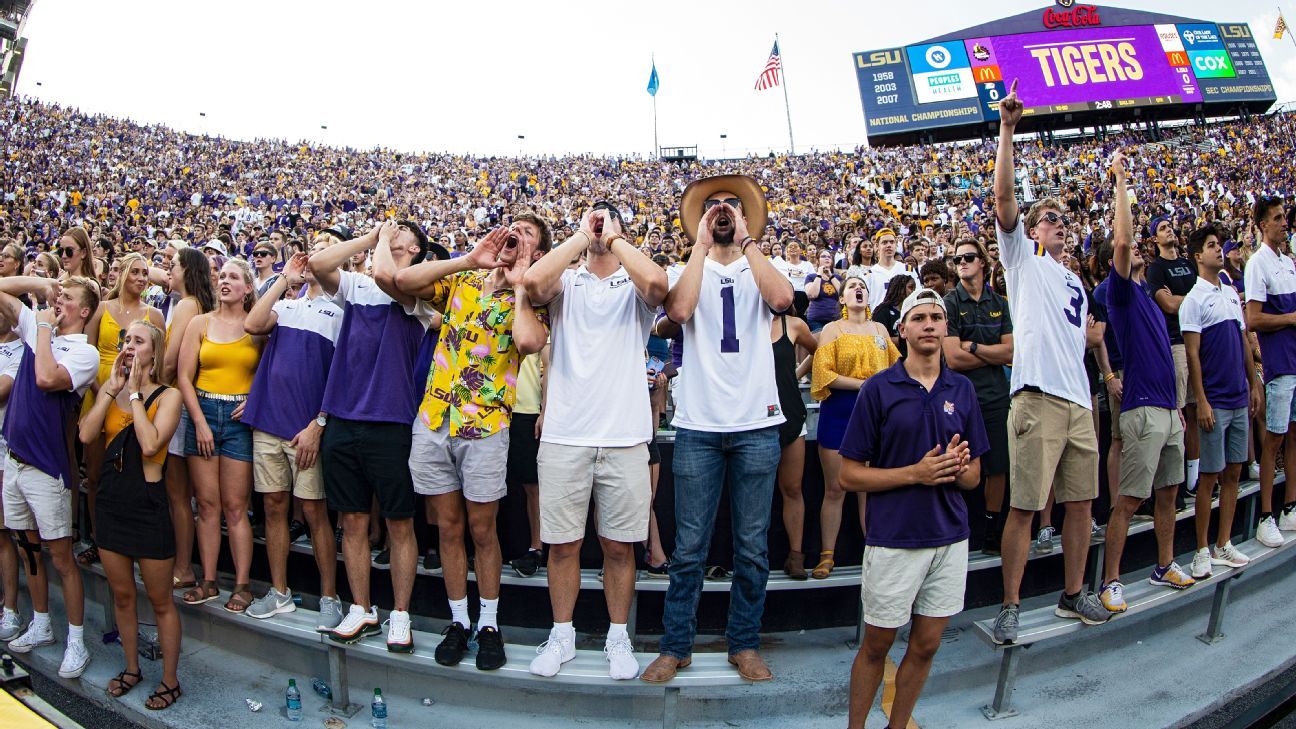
919,297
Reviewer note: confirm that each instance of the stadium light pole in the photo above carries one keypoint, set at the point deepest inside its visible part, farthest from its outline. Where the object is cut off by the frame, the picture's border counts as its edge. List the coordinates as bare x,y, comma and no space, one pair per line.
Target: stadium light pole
724,146
521,140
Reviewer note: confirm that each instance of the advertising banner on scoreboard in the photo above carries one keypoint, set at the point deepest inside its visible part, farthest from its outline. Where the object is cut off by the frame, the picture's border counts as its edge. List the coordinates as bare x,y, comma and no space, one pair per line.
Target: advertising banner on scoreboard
1078,67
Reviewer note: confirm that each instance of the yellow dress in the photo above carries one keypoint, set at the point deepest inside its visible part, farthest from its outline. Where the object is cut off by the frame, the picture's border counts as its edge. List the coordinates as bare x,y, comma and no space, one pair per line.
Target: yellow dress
850,355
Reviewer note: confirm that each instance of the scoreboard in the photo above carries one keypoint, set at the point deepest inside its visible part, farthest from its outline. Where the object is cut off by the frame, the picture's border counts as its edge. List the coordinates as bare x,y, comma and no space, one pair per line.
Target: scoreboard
1078,66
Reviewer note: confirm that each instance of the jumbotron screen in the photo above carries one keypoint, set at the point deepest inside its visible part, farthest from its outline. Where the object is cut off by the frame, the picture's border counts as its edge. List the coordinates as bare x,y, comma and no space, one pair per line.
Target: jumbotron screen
1077,66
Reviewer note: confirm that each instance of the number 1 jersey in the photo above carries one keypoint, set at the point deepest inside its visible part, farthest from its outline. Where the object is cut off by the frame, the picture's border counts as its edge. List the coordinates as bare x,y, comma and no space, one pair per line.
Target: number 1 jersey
726,382
1050,313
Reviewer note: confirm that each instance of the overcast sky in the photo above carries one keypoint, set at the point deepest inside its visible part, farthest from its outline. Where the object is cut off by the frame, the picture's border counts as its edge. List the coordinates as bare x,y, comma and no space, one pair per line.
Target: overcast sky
471,77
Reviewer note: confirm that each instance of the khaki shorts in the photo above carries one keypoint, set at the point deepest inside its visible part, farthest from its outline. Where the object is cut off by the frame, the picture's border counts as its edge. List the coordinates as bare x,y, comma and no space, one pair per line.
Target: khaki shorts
274,469
1052,445
899,583
1152,451
618,480
1183,393
35,501
1114,406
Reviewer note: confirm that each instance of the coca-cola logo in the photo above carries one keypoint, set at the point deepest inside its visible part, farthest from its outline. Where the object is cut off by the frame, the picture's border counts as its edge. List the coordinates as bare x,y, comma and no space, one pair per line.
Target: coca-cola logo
1077,17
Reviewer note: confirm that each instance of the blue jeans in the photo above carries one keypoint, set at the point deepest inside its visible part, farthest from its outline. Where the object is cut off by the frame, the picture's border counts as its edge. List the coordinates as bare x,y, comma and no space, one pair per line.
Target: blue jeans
704,462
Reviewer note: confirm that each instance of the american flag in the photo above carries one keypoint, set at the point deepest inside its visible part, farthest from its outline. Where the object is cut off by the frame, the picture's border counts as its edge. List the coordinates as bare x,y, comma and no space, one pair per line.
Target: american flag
770,76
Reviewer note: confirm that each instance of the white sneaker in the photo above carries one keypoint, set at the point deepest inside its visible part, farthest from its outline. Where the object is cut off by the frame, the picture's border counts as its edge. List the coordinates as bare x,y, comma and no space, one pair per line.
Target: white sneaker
75,660
399,639
553,653
1201,564
1267,533
622,665
1254,471
1287,520
1230,556
10,625
36,636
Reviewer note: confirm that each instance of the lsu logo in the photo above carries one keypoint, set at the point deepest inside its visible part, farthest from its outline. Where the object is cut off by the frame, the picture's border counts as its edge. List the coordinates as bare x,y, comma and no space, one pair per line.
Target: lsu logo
878,58
726,281
949,408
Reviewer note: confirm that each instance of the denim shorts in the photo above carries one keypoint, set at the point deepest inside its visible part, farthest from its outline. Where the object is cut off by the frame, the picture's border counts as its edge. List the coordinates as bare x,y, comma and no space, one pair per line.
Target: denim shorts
232,438
1280,406
1227,443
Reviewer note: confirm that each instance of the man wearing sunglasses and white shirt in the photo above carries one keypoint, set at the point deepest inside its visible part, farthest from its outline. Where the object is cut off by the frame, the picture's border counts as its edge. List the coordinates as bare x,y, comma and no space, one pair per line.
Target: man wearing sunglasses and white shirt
1050,390
263,273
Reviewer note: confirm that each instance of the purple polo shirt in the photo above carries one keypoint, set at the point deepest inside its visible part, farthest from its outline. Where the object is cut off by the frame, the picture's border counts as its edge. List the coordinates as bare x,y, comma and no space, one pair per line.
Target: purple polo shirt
1215,312
1140,327
895,422
289,385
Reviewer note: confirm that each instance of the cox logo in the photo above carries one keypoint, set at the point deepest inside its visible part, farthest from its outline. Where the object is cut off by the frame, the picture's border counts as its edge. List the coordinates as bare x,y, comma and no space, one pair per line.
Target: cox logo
1210,63
938,57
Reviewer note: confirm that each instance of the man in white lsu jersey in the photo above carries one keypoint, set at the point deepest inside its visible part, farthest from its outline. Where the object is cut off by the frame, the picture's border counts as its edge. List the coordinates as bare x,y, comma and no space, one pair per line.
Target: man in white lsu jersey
726,418
1054,444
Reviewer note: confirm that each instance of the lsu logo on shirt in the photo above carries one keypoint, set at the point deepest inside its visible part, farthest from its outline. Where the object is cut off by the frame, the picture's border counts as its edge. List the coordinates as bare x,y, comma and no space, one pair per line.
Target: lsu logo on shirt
949,408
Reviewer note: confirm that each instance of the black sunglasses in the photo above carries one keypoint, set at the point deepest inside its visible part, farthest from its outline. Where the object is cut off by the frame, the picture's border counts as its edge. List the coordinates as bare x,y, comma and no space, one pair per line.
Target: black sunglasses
967,257
1053,218
732,202
258,254
67,252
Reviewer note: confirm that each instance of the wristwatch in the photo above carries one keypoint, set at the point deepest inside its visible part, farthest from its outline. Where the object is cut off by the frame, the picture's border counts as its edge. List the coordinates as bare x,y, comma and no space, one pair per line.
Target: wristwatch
135,396
321,420
972,348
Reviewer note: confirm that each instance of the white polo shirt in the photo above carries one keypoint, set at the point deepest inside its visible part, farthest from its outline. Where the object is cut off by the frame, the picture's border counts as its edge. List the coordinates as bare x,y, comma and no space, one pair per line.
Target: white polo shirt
598,384
1050,312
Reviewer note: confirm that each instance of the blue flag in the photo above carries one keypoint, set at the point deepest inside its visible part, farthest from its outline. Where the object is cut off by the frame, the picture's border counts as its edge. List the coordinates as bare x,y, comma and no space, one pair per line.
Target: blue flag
652,81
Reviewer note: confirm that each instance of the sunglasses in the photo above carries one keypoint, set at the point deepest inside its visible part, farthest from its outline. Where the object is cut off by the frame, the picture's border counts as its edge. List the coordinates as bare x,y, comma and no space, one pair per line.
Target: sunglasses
732,202
967,258
1053,218
260,254
67,252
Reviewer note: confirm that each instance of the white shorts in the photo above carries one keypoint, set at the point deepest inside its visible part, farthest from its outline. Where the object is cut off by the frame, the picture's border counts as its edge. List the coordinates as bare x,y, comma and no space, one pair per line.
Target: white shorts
36,501
900,583
441,464
177,445
618,480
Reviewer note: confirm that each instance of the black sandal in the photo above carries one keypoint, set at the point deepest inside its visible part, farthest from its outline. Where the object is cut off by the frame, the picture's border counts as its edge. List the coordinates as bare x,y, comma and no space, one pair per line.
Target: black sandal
168,695
88,556
122,688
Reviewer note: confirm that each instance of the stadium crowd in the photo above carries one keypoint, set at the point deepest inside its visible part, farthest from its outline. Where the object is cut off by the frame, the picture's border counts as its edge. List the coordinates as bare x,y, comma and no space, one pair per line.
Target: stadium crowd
343,331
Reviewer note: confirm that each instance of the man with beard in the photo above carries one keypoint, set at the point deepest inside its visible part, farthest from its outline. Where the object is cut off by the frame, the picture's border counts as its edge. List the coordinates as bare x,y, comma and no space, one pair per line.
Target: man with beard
598,421
1171,277
56,367
460,439
727,416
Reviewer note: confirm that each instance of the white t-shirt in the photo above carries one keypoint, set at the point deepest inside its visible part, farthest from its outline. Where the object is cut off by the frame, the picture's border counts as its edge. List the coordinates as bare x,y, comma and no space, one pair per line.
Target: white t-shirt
795,272
730,382
598,384
10,356
1050,312
880,277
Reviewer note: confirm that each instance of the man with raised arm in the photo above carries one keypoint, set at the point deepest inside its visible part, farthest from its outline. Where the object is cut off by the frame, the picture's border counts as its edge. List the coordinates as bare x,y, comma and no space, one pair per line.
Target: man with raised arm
1055,444
597,425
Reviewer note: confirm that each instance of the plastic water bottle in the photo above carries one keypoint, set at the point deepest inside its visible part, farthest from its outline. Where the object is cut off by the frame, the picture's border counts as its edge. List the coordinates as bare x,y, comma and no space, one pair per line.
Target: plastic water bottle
378,711
294,701
321,688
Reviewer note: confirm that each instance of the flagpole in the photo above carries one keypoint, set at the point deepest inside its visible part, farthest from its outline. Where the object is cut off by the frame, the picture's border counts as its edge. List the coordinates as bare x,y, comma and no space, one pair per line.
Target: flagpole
786,106
1288,30
656,149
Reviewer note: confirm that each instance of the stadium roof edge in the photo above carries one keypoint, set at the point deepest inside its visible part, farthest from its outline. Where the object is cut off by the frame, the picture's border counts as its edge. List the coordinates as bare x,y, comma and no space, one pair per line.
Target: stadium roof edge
1029,22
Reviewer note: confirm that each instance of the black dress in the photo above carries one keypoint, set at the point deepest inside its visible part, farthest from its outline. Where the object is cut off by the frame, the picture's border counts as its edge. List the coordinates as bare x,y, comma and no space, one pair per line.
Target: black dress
789,392
132,515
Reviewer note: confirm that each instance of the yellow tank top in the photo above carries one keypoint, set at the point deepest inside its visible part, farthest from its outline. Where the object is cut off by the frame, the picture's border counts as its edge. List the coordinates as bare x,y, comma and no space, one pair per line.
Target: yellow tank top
109,340
227,368
528,386
117,420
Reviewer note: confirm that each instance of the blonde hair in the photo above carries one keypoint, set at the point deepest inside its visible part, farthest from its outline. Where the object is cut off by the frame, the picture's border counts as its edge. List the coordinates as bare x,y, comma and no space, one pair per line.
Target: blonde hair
1039,208
250,299
89,291
159,345
53,268
123,267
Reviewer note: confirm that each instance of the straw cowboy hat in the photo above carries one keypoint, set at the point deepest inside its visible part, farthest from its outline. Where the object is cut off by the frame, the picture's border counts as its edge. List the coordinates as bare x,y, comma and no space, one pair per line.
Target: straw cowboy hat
745,188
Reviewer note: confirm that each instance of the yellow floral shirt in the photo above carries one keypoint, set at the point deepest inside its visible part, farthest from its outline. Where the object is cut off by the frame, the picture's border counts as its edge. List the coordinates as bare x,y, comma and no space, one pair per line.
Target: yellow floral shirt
475,365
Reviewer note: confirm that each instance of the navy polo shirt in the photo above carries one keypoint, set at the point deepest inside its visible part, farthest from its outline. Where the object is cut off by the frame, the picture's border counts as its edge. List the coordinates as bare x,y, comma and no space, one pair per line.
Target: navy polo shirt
1140,327
895,422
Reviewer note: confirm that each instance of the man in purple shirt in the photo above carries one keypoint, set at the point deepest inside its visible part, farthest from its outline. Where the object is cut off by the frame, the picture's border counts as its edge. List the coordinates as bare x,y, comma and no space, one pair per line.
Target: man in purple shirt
1152,440
914,440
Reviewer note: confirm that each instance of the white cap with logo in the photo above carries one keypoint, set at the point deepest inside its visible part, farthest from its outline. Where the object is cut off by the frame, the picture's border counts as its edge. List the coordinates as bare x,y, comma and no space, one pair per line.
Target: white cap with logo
918,298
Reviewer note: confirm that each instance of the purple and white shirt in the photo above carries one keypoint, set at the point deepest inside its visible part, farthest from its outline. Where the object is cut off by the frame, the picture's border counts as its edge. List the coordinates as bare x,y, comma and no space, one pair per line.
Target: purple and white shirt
289,385
1215,312
36,421
372,374
1271,280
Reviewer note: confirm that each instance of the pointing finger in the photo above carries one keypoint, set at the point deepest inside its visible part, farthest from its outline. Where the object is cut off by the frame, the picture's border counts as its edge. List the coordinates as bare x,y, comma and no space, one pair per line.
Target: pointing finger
1013,90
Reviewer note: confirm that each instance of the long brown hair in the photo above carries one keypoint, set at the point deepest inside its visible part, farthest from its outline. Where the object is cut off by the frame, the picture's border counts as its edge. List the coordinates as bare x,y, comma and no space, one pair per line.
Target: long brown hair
82,239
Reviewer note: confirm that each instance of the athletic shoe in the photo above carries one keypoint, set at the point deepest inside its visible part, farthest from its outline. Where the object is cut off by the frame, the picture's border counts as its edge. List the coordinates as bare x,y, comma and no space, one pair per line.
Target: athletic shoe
1254,471
75,660
271,604
10,625
490,649
295,530
36,636
1267,533
991,545
330,614
1287,520
357,624
1230,556
432,562
527,564
622,665
1005,625
1113,597
1095,531
1044,541
453,646
552,654
1085,607
1172,575
662,571
399,638
1201,564
383,558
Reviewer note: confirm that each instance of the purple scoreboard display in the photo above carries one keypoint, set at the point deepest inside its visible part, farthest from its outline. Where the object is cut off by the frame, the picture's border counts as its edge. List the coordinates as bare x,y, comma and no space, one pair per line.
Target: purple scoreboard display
1078,64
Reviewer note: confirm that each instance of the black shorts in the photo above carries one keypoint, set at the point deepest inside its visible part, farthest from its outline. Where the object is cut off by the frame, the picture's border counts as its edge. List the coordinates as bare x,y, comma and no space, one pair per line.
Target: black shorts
523,448
790,430
995,460
361,460
654,453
